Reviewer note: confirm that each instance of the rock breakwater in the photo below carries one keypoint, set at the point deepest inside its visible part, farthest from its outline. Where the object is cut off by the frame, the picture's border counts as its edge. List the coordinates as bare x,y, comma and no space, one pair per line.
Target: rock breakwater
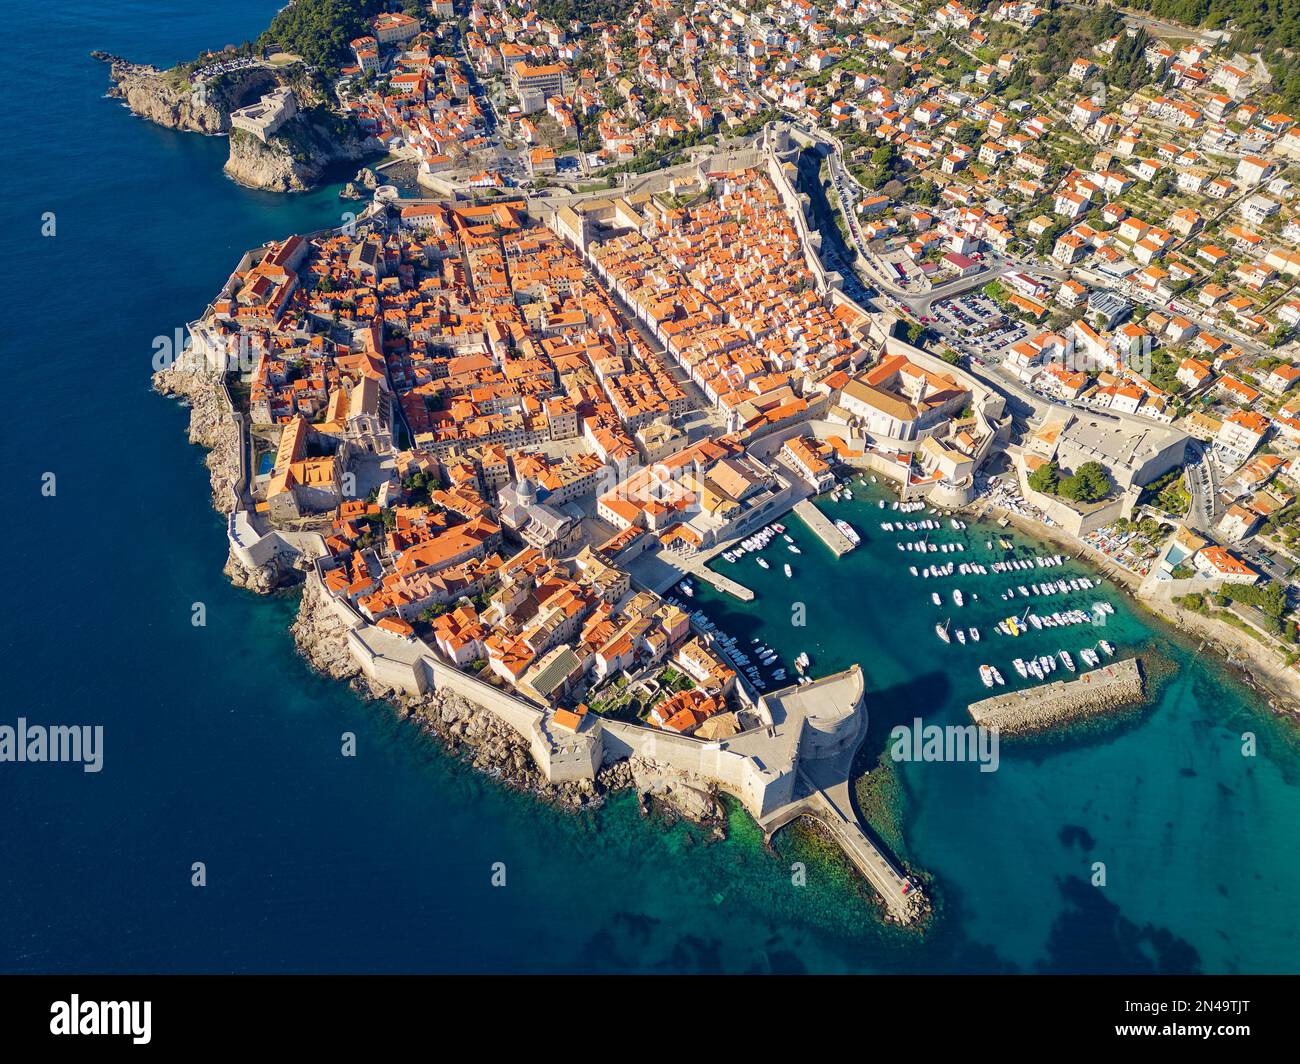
1112,687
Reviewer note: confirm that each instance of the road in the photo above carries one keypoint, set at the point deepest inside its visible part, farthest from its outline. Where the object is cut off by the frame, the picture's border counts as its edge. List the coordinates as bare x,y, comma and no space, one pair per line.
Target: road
1203,485
848,188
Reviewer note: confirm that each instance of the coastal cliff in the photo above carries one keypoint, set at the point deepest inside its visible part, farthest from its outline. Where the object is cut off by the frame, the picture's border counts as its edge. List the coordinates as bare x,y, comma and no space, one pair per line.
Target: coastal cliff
170,99
295,158
211,424
299,155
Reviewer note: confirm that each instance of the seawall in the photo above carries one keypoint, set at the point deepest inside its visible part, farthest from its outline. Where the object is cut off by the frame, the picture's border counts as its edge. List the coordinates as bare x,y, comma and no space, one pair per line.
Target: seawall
1099,691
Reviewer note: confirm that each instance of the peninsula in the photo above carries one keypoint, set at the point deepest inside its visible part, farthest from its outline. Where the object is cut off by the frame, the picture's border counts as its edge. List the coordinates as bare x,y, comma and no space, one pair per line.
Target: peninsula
650,283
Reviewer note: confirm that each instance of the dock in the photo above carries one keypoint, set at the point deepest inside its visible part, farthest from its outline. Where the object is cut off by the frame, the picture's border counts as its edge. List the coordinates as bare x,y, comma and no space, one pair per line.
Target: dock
1109,687
822,526
700,570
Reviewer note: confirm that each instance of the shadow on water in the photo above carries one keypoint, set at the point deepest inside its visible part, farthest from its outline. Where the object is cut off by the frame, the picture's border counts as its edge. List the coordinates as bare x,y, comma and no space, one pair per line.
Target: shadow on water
1092,937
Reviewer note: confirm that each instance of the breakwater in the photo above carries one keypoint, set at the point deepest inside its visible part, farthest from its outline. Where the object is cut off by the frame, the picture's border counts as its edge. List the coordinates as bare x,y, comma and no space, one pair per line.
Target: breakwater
1104,689
826,531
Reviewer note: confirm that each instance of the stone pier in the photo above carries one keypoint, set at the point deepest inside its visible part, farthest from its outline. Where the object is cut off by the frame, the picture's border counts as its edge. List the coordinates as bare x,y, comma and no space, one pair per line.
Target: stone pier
823,527
1048,705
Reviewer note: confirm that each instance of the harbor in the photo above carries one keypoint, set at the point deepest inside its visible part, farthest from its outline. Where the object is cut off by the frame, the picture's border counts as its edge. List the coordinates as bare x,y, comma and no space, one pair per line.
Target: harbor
1111,687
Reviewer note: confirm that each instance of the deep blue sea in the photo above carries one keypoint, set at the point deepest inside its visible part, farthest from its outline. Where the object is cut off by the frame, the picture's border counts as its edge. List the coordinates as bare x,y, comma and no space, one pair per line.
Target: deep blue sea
222,747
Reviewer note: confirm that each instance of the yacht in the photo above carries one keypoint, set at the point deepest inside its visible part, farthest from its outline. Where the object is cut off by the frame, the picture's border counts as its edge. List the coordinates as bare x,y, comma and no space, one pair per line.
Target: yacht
1106,648
941,630
1066,660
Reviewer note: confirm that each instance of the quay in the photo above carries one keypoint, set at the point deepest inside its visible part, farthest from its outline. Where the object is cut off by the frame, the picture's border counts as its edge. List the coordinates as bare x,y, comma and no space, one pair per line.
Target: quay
822,526
698,567
1109,687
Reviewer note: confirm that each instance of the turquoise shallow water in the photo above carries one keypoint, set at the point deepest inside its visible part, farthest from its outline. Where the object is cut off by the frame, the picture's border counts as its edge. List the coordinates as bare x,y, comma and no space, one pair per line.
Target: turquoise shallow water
221,746
1195,838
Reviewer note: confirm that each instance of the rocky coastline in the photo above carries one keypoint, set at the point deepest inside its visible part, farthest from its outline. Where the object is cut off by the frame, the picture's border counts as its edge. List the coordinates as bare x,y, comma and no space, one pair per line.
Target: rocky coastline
296,158
212,425
299,156
157,96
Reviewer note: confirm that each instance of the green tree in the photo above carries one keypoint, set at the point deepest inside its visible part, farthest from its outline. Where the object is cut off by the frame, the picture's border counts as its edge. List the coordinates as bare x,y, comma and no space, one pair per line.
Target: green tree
1046,478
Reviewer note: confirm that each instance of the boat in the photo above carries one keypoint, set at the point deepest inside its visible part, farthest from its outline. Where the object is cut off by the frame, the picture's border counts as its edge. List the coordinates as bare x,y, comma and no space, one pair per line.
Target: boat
788,571
780,528
941,630
1019,663
934,597
787,539
793,549
1066,660
763,563
997,676
956,596
975,634
961,637
912,569
848,531
986,674
1106,648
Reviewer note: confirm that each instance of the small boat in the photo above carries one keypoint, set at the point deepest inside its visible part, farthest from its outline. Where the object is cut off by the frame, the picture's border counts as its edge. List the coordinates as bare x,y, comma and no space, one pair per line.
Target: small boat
961,637
1066,660
975,635
763,563
941,630
1106,648
956,596
997,676
986,674
793,549
1020,668
912,569
788,571
934,597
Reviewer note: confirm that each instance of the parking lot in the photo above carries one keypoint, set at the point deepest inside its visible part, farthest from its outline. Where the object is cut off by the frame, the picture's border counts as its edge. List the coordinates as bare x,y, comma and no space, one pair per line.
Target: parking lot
977,324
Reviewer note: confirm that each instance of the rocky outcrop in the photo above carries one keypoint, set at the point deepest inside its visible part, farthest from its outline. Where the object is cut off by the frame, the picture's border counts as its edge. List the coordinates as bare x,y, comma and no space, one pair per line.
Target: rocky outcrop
298,156
321,635
691,799
295,158
172,99
211,423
